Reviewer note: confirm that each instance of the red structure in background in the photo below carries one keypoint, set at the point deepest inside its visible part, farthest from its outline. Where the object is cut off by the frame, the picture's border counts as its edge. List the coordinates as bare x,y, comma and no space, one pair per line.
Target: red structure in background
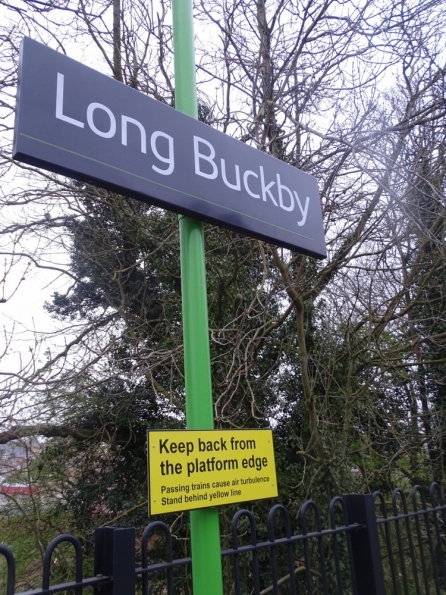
17,490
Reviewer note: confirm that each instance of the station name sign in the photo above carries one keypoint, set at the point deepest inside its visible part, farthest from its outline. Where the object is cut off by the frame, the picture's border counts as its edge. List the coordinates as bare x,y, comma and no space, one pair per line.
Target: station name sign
73,120
191,469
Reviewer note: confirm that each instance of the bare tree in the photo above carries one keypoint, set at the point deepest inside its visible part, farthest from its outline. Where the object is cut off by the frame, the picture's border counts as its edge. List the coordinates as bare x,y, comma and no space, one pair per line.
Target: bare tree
352,93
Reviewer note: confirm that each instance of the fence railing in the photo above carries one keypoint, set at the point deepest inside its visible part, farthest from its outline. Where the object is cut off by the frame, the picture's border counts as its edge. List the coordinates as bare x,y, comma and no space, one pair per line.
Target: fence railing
366,546
413,541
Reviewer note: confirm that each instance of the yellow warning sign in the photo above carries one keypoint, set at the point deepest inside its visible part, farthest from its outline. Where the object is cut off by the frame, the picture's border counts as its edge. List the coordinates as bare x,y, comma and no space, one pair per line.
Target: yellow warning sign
199,468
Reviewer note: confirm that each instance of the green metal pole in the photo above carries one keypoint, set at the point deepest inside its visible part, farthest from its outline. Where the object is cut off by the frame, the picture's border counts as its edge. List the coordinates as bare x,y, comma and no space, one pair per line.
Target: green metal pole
205,529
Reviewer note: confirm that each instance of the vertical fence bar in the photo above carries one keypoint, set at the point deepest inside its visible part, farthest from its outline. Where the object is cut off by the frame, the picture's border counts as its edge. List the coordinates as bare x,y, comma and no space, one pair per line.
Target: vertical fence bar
307,556
10,564
103,557
337,501
205,530
437,500
114,556
430,542
47,560
273,554
149,530
417,492
365,545
395,495
389,544
124,578
255,554
290,550
322,573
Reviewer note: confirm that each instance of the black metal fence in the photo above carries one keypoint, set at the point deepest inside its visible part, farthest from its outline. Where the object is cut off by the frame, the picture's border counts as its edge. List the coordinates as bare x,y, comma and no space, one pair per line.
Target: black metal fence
366,546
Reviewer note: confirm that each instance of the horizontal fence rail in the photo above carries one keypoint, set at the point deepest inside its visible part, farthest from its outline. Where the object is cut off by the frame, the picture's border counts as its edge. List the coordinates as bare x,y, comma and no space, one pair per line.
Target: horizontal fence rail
365,545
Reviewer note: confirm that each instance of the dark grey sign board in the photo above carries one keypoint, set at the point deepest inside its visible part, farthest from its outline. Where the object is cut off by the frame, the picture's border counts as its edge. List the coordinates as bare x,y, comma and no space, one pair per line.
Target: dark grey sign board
78,122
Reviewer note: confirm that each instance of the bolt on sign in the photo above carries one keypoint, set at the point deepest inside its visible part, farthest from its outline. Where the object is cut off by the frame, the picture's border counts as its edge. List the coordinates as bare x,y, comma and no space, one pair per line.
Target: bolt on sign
73,120
191,469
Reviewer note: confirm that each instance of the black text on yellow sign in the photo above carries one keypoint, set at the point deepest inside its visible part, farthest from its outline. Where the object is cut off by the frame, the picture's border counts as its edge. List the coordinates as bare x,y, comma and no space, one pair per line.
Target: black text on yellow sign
199,468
